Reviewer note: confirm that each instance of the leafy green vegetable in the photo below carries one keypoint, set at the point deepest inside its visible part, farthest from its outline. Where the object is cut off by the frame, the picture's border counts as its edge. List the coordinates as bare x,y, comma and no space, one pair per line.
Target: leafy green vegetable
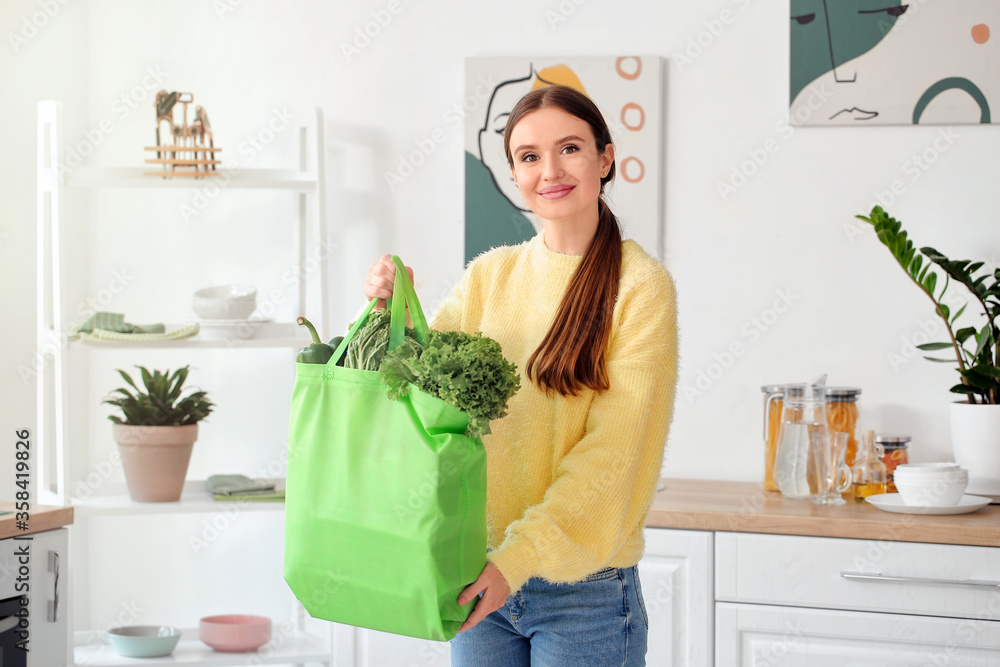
368,347
469,372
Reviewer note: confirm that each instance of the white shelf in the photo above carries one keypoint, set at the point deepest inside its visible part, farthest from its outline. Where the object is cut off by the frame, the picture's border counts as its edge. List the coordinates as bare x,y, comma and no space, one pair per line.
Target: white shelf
194,499
56,393
135,177
256,335
281,650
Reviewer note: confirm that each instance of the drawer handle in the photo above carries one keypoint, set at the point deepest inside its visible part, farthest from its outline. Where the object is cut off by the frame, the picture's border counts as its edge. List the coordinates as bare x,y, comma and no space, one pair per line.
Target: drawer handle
53,605
877,576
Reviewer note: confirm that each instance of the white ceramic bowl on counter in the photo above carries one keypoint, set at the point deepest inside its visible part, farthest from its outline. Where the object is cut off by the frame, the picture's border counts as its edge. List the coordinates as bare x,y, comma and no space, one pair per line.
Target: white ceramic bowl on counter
931,484
225,302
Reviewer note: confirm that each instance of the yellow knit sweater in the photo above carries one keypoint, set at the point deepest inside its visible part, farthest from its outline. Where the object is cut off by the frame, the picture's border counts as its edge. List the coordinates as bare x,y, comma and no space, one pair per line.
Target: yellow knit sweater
570,479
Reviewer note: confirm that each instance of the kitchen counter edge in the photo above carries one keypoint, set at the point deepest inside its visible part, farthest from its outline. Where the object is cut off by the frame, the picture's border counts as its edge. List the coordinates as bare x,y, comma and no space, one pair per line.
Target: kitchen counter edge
745,507
40,518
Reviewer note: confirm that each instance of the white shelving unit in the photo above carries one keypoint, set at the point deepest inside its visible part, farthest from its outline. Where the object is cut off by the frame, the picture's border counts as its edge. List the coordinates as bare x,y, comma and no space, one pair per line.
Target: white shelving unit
291,643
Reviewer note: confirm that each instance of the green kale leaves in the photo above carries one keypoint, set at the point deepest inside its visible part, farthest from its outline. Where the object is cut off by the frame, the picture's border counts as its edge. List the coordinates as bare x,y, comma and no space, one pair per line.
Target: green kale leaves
466,371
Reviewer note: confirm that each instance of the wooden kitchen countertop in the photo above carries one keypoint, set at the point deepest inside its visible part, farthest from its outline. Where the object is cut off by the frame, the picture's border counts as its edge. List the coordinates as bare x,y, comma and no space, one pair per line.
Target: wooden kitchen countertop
745,507
40,517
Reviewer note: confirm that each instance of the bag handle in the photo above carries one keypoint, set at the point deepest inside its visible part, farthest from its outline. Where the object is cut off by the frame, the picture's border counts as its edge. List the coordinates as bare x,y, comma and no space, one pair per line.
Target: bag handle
406,295
342,348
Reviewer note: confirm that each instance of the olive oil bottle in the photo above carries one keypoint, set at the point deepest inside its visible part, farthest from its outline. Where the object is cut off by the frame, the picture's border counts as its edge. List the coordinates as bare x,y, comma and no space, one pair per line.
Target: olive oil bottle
869,471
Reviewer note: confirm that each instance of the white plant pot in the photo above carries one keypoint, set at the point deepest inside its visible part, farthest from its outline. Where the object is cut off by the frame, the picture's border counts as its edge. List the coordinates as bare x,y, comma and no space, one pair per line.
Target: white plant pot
975,441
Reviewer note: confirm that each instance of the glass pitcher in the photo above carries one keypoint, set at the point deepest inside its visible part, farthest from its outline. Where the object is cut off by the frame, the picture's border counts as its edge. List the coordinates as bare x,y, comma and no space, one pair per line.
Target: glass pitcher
803,419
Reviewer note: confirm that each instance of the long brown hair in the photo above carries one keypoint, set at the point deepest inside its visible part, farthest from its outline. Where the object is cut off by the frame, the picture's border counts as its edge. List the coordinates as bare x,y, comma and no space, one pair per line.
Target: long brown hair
572,356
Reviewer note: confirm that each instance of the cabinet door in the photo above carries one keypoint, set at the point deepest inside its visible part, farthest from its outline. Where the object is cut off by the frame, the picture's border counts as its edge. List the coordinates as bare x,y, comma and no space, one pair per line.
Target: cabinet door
749,635
859,575
359,647
49,637
677,586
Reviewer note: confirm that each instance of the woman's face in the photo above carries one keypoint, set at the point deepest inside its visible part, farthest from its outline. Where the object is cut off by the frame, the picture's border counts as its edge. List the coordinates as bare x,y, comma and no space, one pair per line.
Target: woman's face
557,167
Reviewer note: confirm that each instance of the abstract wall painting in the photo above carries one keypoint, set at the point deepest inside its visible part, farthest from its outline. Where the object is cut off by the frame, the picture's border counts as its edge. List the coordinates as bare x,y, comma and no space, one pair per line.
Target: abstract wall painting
627,89
894,62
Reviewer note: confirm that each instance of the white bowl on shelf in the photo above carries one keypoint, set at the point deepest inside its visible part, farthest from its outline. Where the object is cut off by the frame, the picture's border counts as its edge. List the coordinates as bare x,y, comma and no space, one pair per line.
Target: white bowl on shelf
225,302
924,485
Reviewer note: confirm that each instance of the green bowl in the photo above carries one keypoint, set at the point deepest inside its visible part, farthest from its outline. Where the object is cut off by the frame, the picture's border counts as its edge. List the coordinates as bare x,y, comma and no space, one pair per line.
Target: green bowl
144,641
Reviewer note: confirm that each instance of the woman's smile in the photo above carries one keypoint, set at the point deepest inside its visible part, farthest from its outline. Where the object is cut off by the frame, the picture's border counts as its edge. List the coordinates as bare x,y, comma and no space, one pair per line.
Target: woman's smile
556,191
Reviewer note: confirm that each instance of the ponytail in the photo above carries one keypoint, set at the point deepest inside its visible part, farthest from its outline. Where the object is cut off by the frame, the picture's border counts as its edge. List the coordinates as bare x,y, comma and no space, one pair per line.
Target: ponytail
573,354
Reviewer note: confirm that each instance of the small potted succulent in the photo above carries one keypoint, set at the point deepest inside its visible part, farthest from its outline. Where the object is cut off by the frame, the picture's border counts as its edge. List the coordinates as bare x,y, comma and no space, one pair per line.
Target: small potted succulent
157,433
975,421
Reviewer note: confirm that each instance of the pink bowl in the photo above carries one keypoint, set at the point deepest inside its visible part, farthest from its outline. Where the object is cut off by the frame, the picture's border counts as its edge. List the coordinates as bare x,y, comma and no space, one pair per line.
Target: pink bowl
235,632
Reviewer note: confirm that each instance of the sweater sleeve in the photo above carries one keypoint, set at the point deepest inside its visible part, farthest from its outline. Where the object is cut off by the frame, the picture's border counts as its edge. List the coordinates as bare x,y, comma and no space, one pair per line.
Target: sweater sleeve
604,486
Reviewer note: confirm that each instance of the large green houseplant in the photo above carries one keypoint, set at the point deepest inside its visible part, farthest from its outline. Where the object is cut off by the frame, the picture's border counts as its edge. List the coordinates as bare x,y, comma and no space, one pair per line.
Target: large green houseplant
975,421
157,433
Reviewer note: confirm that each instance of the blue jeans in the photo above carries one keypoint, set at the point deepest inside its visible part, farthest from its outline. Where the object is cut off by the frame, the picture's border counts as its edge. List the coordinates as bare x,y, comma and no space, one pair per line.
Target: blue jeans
598,622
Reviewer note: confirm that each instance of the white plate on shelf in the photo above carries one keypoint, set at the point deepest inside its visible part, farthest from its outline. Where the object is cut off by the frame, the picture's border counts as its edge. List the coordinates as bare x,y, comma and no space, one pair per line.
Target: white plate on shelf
892,502
211,328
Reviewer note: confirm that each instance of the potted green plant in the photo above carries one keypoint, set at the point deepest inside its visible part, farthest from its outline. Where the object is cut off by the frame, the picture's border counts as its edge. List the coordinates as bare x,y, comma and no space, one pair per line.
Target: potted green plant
975,421
158,432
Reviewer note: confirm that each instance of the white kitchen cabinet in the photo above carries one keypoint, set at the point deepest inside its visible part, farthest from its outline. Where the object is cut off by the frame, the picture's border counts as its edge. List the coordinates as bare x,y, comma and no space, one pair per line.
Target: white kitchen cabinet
793,600
676,579
177,568
48,613
360,647
751,635
35,565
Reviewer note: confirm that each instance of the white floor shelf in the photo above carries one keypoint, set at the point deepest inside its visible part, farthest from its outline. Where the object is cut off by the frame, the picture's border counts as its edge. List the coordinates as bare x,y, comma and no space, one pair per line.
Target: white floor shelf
64,381
280,650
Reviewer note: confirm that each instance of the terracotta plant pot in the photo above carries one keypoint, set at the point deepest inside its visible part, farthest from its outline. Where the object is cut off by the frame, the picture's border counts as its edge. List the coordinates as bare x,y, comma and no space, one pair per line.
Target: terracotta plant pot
155,459
975,441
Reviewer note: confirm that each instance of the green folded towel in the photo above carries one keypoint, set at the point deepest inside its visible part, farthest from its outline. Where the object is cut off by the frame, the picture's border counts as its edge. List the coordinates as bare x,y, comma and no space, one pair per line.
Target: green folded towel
237,485
116,322
277,495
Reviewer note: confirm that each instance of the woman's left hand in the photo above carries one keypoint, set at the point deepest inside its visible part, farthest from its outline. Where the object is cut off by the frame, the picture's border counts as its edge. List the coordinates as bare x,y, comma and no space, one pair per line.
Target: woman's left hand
495,590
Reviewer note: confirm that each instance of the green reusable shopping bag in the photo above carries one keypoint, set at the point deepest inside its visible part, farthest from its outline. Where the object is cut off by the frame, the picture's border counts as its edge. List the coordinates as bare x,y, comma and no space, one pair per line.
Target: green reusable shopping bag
385,501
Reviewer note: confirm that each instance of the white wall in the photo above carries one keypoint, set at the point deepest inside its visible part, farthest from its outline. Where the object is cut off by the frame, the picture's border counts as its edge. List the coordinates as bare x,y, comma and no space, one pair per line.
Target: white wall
789,230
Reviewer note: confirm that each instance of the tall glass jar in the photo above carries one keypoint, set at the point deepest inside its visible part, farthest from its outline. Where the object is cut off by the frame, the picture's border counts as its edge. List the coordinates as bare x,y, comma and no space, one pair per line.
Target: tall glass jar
842,416
802,419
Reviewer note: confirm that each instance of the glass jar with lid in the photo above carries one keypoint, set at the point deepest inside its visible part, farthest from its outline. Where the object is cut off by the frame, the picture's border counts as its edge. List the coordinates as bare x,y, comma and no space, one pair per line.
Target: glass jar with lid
895,453
842,416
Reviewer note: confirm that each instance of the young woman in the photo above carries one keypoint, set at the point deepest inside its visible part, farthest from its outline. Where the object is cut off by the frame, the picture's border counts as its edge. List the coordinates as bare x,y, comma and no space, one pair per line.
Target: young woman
591,323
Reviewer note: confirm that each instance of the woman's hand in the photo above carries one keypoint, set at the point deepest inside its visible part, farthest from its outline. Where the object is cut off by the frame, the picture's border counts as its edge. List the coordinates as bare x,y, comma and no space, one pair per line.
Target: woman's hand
495,591
381,277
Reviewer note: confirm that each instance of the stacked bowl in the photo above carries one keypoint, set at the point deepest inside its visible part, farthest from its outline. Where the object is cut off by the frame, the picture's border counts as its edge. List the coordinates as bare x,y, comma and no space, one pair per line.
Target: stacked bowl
225,302
931,484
